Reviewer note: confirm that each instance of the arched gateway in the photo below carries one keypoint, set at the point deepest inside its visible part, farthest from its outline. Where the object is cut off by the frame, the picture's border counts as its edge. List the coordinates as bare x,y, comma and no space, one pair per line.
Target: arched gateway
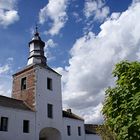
49,133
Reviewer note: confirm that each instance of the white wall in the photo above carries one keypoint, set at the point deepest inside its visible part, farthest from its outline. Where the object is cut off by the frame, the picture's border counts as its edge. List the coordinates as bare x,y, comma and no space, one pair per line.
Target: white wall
74,129
15,124
92,137
39,119
44,97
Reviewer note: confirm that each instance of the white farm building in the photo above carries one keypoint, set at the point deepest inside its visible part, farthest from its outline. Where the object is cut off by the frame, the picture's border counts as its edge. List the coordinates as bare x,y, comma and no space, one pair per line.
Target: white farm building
35,110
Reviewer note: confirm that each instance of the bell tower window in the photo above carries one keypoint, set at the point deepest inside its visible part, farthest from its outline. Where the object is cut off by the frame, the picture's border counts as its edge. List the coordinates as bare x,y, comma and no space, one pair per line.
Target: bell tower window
49,83
23,83
50,111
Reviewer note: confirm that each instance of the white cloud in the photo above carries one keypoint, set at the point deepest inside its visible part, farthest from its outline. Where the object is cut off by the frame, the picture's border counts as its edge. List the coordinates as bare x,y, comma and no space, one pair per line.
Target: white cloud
5,77
93,58
5,89
10,59
48,45
8,13
56,11
77,17
96,9
7,4
4,69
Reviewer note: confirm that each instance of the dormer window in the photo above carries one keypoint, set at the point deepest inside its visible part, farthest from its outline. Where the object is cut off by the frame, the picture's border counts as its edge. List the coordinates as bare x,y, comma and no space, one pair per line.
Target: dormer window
23,83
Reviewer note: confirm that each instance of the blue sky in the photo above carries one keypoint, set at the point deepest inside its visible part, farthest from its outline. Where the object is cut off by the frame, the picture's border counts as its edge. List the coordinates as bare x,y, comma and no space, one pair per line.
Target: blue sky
84,39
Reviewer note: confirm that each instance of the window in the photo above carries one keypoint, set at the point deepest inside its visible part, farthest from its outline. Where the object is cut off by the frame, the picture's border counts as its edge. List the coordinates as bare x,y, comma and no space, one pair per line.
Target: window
49,83
4,124
25,126
50,111
23,83
68,130
79,131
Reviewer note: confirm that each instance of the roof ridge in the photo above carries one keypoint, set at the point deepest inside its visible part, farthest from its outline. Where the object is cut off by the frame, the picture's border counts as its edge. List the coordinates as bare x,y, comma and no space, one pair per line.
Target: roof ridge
71,115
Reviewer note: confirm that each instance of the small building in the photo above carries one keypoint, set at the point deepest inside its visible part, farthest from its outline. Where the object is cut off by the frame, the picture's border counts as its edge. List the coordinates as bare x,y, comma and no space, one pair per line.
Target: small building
34,112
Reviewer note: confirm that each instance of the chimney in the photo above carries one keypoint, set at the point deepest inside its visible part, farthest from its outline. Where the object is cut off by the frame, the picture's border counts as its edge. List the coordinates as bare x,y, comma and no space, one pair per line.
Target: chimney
69,111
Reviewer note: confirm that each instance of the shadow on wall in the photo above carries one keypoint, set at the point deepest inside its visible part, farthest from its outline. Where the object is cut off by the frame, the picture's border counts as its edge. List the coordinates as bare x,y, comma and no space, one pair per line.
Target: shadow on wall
49,133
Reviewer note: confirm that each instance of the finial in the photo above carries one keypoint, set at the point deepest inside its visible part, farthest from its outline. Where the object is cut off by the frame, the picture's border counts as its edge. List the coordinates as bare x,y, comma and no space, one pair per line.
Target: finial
36,28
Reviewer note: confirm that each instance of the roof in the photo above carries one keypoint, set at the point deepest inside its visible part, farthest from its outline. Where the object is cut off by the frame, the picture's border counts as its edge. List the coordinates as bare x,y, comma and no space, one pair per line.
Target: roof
28,67
52,70
91,128
71,115
13,103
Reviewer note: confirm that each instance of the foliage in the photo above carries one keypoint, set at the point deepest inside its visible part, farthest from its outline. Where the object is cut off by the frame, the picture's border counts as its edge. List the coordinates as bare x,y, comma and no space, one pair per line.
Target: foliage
105,132
122,104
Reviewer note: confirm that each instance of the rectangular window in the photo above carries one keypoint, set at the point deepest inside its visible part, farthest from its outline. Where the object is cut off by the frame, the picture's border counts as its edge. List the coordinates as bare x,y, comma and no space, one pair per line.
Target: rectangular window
68,130
23,83
49,83
26,126
50,111
4,124
79,131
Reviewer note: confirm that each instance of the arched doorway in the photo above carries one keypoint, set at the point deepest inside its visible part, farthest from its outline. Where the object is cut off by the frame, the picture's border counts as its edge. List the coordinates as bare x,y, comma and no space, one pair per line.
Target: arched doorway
49,134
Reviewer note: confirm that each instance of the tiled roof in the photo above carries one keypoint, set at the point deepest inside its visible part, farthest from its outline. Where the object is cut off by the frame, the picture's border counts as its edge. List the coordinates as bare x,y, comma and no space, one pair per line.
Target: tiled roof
91,128
71,115
13,103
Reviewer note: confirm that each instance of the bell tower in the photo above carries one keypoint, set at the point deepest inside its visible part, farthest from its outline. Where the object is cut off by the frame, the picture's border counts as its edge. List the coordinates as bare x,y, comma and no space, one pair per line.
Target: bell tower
36,46
24,81
39,86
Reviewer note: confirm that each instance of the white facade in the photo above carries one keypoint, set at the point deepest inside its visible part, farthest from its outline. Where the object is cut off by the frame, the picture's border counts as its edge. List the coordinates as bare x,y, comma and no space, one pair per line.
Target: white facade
46,119
15,124
42,127
74,124
44,97
92,137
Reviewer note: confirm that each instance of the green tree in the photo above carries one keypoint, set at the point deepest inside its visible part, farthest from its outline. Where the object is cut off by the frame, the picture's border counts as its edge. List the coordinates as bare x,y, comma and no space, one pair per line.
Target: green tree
105,132
122,104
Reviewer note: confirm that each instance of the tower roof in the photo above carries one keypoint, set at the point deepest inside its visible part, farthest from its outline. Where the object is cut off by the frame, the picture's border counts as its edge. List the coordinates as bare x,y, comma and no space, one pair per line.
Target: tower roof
36,46
36,37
